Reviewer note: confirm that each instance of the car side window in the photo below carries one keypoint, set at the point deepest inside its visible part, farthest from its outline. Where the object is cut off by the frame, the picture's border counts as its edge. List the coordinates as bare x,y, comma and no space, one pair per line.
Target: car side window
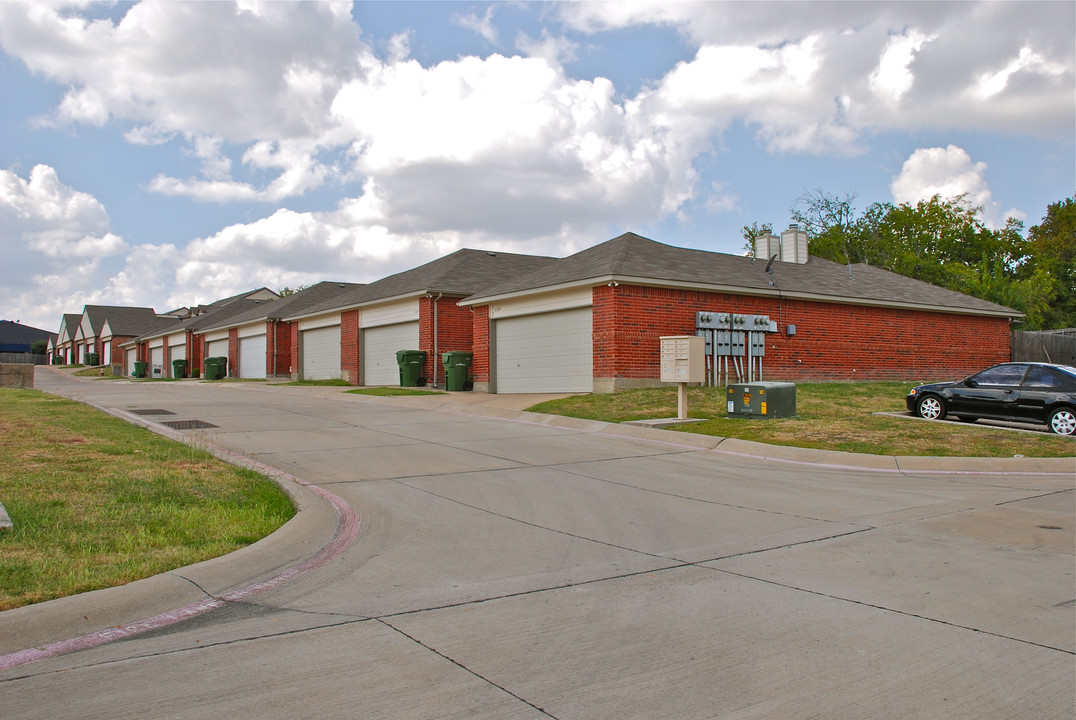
1043,377
1001,375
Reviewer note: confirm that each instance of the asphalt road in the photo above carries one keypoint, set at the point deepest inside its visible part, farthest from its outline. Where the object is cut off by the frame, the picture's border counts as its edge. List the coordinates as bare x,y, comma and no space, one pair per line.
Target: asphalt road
456,558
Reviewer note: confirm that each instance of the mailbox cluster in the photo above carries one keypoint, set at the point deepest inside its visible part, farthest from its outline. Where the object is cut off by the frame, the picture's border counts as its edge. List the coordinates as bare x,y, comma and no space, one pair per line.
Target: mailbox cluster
731,336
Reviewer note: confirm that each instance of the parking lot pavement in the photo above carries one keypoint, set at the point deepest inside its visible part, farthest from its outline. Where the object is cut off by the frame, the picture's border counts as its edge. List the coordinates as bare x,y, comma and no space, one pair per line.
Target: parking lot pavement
513,565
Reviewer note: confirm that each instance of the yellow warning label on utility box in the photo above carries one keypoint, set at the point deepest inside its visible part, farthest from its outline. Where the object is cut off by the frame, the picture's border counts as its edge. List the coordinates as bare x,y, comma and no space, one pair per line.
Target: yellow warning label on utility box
763,408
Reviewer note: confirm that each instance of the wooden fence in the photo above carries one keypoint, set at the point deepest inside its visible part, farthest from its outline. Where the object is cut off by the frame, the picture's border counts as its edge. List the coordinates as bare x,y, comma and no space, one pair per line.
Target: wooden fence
23,359
1053,346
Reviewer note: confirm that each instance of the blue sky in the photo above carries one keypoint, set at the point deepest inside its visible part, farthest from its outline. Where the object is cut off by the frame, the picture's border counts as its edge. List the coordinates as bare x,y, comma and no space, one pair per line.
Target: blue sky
170,154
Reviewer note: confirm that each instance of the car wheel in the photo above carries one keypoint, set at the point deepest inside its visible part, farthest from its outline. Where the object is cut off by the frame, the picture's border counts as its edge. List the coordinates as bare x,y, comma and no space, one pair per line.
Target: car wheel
930,407
1063,421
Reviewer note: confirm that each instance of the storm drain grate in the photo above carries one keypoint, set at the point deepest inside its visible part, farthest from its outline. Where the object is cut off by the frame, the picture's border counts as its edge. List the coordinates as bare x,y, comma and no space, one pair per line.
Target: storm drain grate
189,424
151,411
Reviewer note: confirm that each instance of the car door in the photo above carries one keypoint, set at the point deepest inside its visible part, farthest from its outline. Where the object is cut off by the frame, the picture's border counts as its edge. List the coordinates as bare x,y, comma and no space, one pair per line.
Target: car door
994,392
1040,386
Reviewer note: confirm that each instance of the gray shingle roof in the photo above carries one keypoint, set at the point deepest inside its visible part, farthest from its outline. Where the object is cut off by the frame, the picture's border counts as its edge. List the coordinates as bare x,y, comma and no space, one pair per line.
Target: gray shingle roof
295,304
119,317
631,257
13,333
216,312
459,274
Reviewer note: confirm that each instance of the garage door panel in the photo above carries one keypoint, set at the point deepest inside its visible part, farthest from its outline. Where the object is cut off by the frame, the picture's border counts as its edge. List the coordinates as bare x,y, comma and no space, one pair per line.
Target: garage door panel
321,353
252,356
551,352
156,361
379,347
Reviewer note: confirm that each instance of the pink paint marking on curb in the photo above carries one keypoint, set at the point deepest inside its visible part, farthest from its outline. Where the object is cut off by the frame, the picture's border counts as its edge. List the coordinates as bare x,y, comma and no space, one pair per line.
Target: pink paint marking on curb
345,536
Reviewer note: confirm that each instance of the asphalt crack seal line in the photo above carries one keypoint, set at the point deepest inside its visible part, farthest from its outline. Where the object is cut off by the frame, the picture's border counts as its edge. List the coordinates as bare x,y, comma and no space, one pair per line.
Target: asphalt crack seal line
345,536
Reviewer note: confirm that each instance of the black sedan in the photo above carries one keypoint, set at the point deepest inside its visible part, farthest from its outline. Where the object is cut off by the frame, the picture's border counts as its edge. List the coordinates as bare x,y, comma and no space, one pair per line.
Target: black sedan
1020,392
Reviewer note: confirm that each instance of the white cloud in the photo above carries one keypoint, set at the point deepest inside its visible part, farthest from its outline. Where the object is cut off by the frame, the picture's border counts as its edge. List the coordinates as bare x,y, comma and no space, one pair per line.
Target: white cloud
948,172
52,237
893,77
481,25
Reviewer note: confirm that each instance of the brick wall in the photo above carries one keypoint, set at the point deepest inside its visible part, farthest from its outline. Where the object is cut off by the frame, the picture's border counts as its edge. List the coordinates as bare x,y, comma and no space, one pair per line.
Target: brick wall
455,332
278,348
233,352
294,361
196,353
350,346
832,341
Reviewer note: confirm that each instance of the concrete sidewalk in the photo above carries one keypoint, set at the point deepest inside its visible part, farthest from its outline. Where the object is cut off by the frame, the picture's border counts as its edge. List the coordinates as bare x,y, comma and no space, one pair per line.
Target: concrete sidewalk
508,564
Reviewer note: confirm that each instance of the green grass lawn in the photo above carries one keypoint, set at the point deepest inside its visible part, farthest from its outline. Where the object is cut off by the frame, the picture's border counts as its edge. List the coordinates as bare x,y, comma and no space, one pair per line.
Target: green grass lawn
830,416
98,502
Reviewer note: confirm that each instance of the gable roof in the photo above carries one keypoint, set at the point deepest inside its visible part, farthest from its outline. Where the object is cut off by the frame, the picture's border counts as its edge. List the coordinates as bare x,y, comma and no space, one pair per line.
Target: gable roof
118,314
295,303
459,274
631,258
68,326
212,313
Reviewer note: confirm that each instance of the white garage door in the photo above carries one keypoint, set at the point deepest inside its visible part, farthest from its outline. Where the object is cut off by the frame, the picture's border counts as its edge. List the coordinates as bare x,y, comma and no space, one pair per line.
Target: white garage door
252,356
216,348
551,352
379,347
156,362
129,361
176,352
107,348
320,351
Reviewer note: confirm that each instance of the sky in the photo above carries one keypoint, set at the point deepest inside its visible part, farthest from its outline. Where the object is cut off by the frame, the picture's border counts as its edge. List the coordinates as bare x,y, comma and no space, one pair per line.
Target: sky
169,154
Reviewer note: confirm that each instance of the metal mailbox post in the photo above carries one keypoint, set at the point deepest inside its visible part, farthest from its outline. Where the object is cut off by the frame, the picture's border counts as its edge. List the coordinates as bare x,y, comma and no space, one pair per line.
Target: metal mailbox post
683,361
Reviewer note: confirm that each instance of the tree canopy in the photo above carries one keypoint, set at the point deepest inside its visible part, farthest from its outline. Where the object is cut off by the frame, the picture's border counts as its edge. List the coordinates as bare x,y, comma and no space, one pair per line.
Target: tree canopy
946,242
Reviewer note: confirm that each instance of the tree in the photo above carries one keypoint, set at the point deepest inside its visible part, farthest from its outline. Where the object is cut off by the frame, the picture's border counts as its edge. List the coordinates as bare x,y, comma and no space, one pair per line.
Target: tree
752,234
285,291
1051,257
946,242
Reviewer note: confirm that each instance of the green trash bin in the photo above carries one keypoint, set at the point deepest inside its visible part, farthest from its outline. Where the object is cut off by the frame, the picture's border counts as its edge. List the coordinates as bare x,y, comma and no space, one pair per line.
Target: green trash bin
216,368
457,368
412,363
93,359
140,369
179,369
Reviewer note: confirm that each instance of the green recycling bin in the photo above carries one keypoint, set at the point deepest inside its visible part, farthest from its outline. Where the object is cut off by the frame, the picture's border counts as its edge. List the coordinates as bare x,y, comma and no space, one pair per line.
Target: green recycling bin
457,368
412,363
216,368
179,369
140,369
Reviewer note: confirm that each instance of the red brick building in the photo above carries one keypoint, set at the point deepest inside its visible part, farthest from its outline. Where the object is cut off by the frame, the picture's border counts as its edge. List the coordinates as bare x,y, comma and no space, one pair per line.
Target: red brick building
592,321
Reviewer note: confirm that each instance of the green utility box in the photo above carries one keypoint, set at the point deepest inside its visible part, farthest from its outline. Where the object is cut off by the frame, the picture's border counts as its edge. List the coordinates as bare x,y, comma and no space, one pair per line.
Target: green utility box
457,369
762,400
140,369
93,359
216,368
412,363
179,369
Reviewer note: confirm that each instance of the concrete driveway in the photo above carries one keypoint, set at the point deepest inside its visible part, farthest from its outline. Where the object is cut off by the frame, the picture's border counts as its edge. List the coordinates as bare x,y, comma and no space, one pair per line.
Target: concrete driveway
457,558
